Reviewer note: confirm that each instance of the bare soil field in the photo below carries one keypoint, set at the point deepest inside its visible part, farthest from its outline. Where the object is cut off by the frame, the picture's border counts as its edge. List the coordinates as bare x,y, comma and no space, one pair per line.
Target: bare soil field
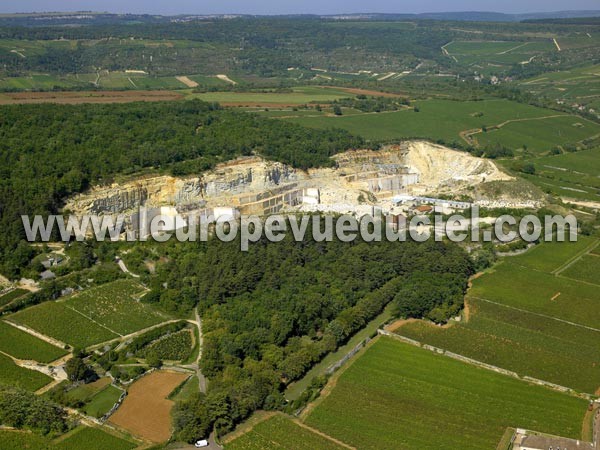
187,81
68,97
146,411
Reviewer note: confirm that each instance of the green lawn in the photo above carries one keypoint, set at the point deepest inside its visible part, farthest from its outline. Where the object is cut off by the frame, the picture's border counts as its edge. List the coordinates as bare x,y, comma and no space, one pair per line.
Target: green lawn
13,375
22,345
280,432
399,396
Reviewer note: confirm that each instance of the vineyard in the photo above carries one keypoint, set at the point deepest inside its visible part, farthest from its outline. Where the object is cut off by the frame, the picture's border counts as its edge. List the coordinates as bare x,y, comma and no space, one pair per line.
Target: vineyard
521,342
172,347
93,316
115,306
444,403
13,375
22,345
550,332
58,321
280,432
12,295
93,439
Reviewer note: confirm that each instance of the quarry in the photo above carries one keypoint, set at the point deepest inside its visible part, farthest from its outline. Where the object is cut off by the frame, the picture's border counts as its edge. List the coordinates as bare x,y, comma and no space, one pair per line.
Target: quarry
395,179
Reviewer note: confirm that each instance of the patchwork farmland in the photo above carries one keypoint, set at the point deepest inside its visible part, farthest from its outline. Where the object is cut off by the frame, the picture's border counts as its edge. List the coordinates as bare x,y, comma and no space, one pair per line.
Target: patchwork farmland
97,315
550,333
146,410
403,396
463,122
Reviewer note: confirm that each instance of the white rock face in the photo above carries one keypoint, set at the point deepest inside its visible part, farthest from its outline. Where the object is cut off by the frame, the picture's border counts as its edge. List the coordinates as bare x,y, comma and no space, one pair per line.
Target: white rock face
258,185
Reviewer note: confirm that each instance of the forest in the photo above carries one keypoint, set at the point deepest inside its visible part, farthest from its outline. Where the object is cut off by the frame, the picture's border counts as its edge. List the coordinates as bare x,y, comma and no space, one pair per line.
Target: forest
271,313
53,151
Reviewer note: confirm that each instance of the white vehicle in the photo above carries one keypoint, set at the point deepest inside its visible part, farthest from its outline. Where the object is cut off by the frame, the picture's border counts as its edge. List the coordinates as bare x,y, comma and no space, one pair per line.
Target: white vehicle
201,443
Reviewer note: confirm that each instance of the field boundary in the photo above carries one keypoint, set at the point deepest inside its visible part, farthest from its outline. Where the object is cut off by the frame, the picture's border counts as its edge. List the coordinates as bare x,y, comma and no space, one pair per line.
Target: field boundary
474,362
545,316
560,269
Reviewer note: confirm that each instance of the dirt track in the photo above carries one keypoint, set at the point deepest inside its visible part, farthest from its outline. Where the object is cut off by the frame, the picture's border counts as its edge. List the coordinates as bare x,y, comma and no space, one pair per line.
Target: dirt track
146,411
76,97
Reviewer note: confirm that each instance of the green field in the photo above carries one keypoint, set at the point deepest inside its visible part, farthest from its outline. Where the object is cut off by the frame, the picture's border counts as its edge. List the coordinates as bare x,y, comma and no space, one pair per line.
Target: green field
299,95
22,345
579,85
446,119
87,438
115,306
58,321
174,347
93,316
102,402
489,57
13,375
525,318
570,175
22,440
280,432
12,295
541,135
295,389
399,396
586,269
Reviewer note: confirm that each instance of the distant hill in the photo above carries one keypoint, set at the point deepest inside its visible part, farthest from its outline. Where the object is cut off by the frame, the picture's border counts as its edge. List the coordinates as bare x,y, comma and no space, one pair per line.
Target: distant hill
99,18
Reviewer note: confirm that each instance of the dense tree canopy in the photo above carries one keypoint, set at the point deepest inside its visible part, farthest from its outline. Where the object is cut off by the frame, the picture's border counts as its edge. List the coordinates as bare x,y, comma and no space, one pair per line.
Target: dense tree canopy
52,151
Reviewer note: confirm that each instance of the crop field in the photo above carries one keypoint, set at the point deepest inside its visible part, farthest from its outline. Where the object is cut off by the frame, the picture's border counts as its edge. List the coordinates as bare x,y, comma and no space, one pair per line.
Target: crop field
550,256
541,135
489,56
554,296
115,306
521,342
12,295
570,175
102,402
51,319
78,97
298,96
22,345
86,391
146,411
13,375
96,315
445,119
586,269
406,397
89,438
550,332
174,347
579,85
280,432
21,440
